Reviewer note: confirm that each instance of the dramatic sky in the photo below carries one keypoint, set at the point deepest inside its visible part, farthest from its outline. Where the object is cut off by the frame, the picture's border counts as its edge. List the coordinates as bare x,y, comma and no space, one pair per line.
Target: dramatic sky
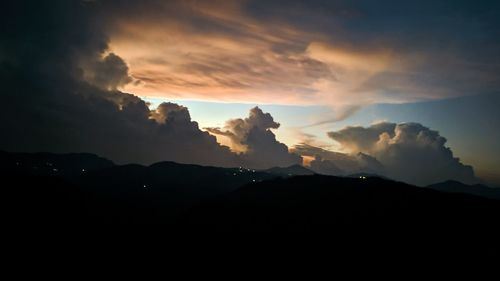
405,89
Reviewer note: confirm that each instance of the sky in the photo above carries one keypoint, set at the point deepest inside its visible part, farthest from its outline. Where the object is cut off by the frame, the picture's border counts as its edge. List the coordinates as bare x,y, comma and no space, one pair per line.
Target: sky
470,123
405,89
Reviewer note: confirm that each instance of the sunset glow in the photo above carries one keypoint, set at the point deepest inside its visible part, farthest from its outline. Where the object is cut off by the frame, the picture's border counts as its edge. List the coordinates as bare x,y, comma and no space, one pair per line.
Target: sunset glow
338,86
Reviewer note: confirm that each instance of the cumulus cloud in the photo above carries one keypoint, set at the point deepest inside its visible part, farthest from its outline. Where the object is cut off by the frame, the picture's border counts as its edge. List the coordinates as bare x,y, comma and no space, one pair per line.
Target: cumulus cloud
254,137
60,93
339,164
409,152
360,138
62,83
109,72
171,113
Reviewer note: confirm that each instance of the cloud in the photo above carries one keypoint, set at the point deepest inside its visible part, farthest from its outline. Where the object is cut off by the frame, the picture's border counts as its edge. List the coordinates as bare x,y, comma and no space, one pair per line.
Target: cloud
340,113
65,67
338,164
335,53
63,93
409,152
109,72
360,138
253,136
171,113
60,93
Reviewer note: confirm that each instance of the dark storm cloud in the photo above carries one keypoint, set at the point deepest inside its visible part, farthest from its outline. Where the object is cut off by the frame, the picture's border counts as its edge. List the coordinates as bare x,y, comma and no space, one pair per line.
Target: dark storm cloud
109,73
59,93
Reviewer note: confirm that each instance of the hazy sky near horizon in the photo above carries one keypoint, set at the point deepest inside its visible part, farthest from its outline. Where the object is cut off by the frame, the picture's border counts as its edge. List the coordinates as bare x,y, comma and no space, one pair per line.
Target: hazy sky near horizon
327,71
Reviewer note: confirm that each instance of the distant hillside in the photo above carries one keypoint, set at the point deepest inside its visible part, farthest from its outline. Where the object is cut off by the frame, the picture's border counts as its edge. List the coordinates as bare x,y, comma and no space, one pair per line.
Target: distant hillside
319,203
166,186
294,170
192,197
52,164
112,193
366,175
458,187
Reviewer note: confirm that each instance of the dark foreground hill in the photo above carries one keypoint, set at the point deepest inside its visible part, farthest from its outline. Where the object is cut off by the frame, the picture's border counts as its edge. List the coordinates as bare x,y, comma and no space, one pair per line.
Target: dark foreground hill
44,164
86,190
85,186
314,203
294,170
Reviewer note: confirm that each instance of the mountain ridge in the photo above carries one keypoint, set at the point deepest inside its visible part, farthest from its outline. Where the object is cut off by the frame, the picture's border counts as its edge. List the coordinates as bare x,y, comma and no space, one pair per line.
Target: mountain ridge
454,186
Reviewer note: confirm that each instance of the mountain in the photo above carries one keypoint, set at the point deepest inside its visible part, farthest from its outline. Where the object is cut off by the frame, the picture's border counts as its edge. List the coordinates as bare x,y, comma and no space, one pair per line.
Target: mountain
51,163
294,170
115,193
458,187
192,197
165,188
366,175
326,203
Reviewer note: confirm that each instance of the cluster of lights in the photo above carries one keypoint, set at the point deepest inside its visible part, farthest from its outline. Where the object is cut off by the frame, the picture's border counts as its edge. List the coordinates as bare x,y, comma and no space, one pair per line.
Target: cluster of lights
242,170
48,164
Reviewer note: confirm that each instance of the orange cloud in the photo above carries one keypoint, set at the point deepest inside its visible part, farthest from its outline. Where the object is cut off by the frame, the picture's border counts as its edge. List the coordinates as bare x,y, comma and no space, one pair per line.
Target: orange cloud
221,54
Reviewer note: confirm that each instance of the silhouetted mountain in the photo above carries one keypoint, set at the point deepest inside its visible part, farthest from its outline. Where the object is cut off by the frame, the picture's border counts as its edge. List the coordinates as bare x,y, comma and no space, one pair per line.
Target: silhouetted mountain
45,164
126,194
366,175
458,187
186,197
294,170
166,187
333,203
